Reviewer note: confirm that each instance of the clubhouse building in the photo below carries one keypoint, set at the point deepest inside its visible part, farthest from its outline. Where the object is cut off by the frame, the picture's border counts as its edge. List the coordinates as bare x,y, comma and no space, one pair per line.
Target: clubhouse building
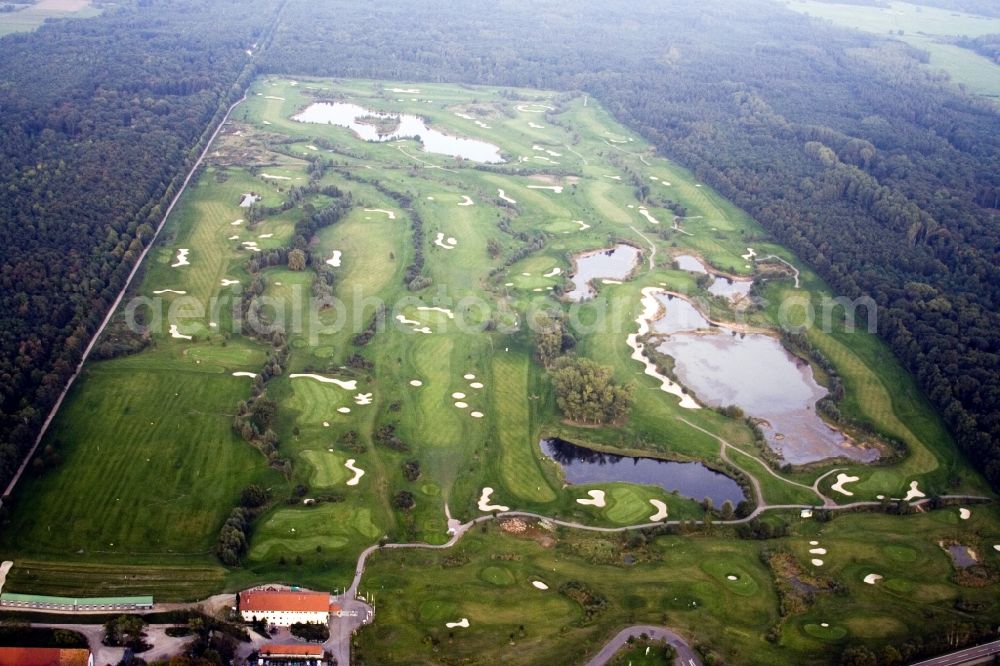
284,608
290,655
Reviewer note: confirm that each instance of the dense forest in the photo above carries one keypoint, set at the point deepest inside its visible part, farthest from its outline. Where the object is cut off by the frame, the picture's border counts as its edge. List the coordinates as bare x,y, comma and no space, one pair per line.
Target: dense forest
876,172
101,118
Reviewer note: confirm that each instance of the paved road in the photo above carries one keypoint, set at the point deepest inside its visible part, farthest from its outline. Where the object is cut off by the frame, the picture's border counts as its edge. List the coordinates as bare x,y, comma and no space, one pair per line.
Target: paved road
685,655
973,655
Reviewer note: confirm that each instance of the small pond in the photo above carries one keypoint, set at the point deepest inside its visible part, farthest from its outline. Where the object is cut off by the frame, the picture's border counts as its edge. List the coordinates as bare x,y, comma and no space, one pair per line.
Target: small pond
616,263
582,465
678,315
729,288
409,126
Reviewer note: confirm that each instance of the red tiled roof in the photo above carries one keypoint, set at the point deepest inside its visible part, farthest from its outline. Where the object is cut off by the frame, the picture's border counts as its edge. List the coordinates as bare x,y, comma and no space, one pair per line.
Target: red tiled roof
272,650
335,608
282,600
18,656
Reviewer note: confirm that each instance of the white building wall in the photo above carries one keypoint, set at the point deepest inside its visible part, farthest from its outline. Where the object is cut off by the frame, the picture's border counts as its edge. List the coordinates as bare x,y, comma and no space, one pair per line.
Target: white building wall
286,618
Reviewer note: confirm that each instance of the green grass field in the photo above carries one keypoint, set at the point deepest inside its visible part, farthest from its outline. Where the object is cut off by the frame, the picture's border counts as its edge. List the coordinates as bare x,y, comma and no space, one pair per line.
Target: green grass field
30,14
151,466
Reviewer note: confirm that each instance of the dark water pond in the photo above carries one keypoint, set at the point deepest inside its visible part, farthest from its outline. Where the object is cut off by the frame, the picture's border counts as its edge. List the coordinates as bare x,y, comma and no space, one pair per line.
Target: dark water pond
582,465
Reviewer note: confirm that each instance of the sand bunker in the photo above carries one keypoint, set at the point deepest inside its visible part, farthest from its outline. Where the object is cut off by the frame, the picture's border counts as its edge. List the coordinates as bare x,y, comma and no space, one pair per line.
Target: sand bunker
468,375
651,307
964,514
749,255
252,375
539,585
416,382
281,99
448,244
466,201
466,116
344,410
228,283
363,399
913,493
251,245
609,281
817,551
613,177
175,333
234,237
461,405
555,188
534,108
405,91
645,213
806,513
457,395
403,320
358,472
476,385
236,223
596,499
996,547
841,480
350,385
273,177
484,504
503,195
817,563
661,510
535,126
334,259
181,258
392,215
463,623
583,225
169,291
312,147
444,311
476,415
872,578
266,236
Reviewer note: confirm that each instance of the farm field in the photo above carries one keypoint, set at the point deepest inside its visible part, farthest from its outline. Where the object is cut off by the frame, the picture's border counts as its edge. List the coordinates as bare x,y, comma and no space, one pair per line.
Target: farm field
357,343
29,15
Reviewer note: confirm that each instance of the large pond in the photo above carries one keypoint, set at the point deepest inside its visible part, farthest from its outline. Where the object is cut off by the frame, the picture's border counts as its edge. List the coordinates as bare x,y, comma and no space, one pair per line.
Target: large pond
756,373
616,263
582,465
344,114
725,287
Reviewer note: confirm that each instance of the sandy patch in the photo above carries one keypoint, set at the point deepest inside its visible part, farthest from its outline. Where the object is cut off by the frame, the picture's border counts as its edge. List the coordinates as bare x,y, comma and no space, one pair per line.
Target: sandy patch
445,311
806,513
465,116
651,307
817,563
229,283
964,514
251,245
661,510
484,500
344,410
468,375
350,385
175,333
169,291
555,188
466,201
463,623
280,99
535,126
613,177
749,255
252,375
236,223
457,395
646,214
392,215
462,405
476,385
403,320
817,551
266,236
334,259
234,237
273,177
363,399
872,578
312,147
476,415
416,382
539,585
841,480
358,472
913,493
596,499
583,225
996,547
447,244
607,281
483,125
405,91
534,108
503,195
182,259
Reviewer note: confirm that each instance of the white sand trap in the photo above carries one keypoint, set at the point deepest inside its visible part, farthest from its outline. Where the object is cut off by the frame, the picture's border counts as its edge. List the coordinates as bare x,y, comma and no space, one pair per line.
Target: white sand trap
405,91
697,185
646,214
535,126
749,255
484,500
539,585
465,116
964,514
666,182
229,283
841,480
996,547
555,188
280,99
463,623
312,147
817,563
350,385
457,395
448,244
392,215
236,223
358,472
814,543
476,385
503,195
913,492
468,375
466,201
344,410
872,578
175,333
654,177
583,225
334,259
251,245
650,306
613,177
416,382
806,513
422,329
252,375
181,260
445,311
169,291
266,236
363,399
661,510
483,125
462,405
607,281
596,499
273,177
266,122
534,108
817,551
430,198
234,237
476,415
630,206
403,320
